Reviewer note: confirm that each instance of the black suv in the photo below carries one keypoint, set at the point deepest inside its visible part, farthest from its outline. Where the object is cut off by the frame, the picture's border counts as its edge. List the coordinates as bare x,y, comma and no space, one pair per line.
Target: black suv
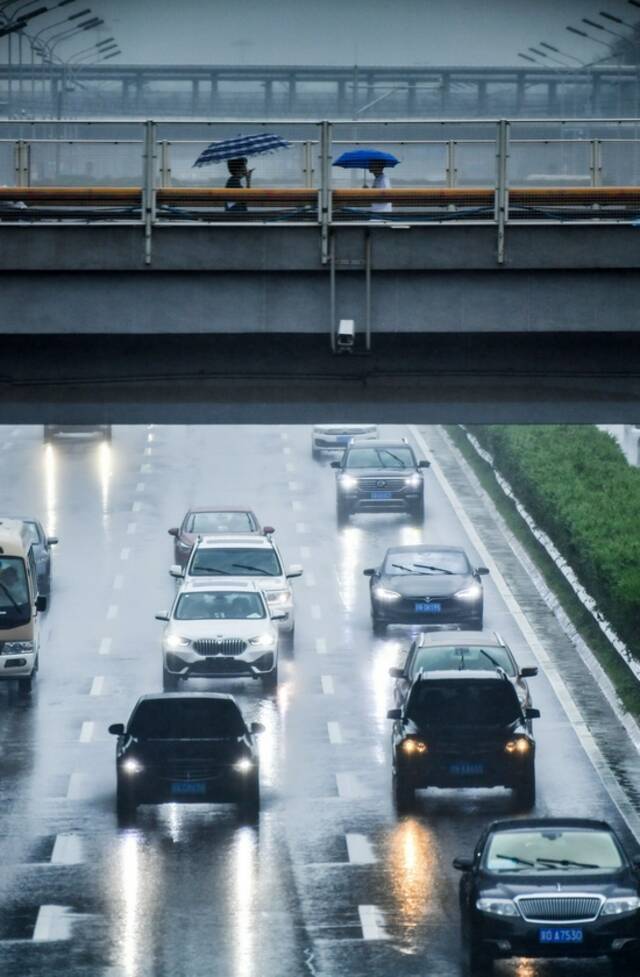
558,887
186,747
379,476
462,729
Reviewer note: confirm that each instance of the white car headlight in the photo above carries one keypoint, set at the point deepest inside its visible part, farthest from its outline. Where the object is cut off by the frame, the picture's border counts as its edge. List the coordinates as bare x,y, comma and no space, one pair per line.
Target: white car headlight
175,641
473,592
263,640
497,907
619,905
275,597
17,647
413,481
348,482
132,766
243,766
383,594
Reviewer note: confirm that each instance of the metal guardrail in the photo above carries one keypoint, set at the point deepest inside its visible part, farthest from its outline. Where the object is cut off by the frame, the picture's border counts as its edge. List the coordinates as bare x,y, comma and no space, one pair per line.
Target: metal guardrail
494,171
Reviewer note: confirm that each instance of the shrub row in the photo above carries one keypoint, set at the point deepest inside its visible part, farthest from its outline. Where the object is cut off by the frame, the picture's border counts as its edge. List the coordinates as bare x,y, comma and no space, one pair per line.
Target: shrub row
578,487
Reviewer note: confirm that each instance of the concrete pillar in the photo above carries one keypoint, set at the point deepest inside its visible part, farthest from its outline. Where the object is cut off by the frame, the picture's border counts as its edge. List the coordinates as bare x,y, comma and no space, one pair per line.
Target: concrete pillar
482,98
411,98
445,93
291,101
341,104
268,98
520,93
552,97
195,95
213,96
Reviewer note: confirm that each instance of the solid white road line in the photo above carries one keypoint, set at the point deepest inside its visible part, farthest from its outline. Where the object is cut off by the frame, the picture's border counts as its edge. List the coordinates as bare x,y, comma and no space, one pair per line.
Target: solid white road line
105,645
131,528
349,787
335,733
118,581
125,553
372,923
67,850
360,850
112,612
316,612
611,785
97,686
87,731
52,923
327,684
321,646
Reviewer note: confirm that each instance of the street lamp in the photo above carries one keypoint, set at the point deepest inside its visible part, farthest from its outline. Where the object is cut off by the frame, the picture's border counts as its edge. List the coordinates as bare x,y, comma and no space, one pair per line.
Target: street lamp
575,30
616,20
601,27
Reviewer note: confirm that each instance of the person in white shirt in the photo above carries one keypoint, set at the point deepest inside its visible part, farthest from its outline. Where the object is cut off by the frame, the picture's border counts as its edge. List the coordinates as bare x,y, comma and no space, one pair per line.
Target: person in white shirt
381,182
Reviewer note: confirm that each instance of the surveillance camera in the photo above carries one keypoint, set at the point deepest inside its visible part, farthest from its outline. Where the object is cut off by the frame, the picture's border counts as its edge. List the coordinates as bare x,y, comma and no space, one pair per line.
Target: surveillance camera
346,335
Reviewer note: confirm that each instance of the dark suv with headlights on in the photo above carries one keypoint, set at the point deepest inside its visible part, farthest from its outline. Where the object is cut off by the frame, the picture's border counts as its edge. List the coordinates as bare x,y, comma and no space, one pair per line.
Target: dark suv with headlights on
186,747
428,585
379,476
462,729
558,887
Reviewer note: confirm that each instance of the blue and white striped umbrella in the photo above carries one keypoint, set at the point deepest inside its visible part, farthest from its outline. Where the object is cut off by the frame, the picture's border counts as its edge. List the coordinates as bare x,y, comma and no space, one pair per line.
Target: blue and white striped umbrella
254,145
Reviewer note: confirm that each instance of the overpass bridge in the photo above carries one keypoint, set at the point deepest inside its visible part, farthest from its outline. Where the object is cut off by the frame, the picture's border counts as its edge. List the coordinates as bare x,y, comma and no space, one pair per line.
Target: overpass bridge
502,245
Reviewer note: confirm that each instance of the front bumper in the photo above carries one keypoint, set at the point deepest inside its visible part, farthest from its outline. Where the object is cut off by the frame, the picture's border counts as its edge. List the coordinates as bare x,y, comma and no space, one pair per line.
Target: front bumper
18,665
224,785
452,612
401,500
251,664
495,769
504,938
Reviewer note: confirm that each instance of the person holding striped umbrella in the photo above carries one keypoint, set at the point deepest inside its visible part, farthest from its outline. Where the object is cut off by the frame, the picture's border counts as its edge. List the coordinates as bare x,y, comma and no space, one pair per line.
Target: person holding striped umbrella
238,172
236,152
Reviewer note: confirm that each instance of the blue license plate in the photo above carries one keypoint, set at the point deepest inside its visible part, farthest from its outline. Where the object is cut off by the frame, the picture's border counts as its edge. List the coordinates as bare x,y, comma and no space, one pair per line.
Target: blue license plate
188,787
560,934
423,608
466,769
379,496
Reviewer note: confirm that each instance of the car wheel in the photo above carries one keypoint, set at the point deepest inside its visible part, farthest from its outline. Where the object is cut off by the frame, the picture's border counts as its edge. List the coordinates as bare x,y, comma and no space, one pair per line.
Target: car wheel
249,804
477,962
525,793
288,637
403,795
379,627
343,511
624,964
170,682
270,680
25,684
417,511
126,804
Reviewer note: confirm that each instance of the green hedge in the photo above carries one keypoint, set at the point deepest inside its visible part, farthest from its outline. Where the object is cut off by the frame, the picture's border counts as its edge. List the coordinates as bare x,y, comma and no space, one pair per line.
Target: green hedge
578,487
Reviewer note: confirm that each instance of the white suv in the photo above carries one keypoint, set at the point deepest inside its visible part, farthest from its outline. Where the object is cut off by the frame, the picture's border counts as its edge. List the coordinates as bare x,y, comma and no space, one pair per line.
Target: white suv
219,630
335,437
239,558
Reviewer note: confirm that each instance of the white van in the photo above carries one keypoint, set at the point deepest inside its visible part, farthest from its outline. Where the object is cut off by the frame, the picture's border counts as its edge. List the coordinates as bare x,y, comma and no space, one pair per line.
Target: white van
20,605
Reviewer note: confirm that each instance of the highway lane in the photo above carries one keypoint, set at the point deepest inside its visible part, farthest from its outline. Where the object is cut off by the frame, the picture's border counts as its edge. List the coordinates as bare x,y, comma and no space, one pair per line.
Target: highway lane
332,882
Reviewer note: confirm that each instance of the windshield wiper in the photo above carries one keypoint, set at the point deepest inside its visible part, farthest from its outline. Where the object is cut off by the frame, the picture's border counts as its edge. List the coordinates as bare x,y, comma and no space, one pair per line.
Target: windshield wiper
10,596
244,566
566,863
426,566
490,657
391,455
203,570
399,566
518,861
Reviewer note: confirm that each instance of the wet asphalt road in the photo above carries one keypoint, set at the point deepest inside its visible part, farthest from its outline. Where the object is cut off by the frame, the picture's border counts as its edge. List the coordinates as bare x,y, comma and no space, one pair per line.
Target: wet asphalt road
331,883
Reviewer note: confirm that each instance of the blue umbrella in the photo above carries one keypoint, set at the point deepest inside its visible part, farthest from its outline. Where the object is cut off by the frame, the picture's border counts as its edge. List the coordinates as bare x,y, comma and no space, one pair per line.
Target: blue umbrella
359,159
254,145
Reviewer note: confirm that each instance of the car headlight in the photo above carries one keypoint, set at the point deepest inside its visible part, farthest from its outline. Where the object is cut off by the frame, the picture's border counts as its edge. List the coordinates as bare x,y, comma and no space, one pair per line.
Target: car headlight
263,640
275,597
243,766
131,766
520,745
619,905
16,647
411,747
175,641
348,482
497,907
473,592
383,594
413,481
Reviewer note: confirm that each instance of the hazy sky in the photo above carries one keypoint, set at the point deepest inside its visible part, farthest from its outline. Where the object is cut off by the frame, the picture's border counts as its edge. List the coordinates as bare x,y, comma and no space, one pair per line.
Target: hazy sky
350,31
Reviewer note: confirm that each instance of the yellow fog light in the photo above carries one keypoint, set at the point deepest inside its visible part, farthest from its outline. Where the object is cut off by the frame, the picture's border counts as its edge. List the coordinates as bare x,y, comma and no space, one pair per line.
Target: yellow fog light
413,746
520,746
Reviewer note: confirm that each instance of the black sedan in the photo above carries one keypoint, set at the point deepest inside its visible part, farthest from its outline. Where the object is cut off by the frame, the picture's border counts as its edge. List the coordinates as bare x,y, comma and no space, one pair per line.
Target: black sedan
209,521
187,748
558,887
42,551
426,585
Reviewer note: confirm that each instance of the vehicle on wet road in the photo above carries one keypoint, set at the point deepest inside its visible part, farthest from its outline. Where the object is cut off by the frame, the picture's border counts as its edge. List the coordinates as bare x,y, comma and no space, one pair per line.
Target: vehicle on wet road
219,630
556,887
335,437
20,606
459,730
209,521
381,476
440,651
41,550
186,748
431,586
240,558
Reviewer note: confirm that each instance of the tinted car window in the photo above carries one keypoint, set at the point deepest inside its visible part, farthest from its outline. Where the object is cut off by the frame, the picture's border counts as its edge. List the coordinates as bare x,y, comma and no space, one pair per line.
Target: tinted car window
219,522
403,562
15,608
464,703
547,850
186,719
236,562
380,458
228,606
455,659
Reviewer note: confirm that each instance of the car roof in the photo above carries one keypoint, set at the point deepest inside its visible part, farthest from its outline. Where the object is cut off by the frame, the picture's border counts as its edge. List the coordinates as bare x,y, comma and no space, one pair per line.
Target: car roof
445,639
522,824
426,547
219,508
236,539
213,584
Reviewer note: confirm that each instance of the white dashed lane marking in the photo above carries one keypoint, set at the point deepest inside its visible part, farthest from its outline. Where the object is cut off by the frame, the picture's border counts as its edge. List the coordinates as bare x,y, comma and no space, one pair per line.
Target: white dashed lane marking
52,923
67,850
105,644
145,469
321,646
87,731
112,612
125,553
97,686
140,487
349,787
118,581
305,552
301,527
316,612
76,788
136,507
335,733
131,528
360,850
309,579
327,684
372,923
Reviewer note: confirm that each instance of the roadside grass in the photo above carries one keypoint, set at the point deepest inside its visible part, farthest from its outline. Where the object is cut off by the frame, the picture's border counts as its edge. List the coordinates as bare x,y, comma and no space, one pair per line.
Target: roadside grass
624,681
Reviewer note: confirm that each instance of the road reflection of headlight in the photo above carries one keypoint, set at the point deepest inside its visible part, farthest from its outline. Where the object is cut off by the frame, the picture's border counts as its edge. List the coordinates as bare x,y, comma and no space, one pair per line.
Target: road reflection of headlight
51,495
412,864
105,470
245,870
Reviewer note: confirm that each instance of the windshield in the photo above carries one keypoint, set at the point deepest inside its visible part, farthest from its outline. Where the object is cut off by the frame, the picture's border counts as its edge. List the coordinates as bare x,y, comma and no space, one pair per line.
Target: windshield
236,562
219,522
400,457
230,605
454,658
553,851
464,703
186,718
402,562
15,605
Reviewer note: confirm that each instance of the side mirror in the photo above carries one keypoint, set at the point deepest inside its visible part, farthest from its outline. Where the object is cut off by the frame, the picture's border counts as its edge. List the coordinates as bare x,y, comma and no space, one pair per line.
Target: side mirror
174,531
176,571
369,572
295,570
463,864
396,672
532,713
268,531
394,714
162,616
278,616
116,729
529,671
424,464
52,540
41,603
482,571
335,464
635,861
257,728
